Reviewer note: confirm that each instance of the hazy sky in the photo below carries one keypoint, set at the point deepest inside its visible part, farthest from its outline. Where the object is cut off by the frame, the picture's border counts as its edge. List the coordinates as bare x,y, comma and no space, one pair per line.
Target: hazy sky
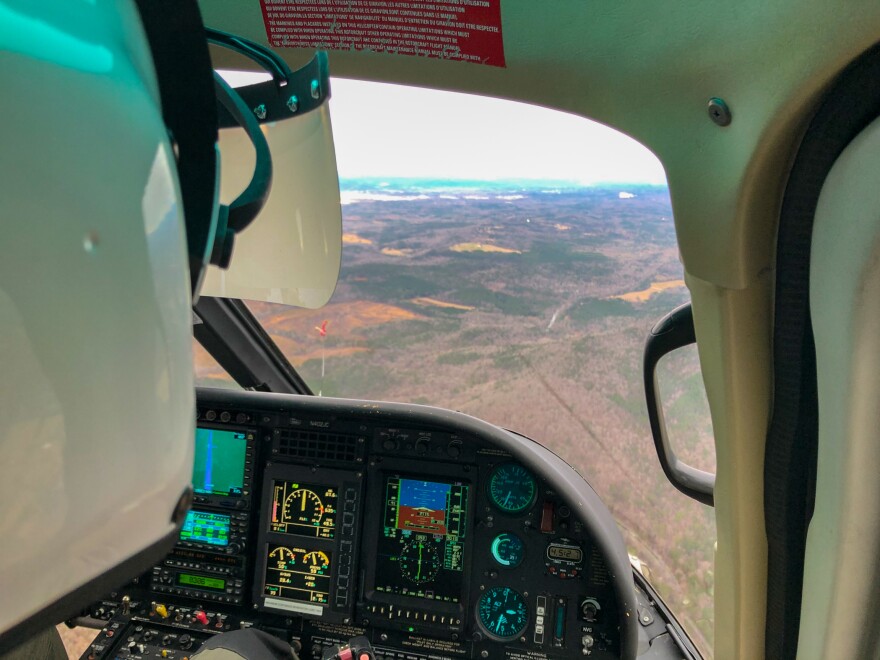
393,131
389,130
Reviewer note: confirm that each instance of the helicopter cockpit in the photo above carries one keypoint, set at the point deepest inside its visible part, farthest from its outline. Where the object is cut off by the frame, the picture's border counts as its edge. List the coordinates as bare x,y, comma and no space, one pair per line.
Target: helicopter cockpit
428,532
399,527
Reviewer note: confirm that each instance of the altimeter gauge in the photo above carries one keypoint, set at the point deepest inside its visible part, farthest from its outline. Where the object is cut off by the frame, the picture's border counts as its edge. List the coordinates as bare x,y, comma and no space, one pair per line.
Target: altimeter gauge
502,613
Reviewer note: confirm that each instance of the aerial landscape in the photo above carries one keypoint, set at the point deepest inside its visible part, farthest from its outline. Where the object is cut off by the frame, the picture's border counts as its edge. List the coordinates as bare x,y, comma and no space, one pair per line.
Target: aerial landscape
526,304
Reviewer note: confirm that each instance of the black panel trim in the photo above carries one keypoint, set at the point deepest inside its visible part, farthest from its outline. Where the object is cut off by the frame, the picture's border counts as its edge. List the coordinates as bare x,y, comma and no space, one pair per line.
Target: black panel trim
597,518
234,337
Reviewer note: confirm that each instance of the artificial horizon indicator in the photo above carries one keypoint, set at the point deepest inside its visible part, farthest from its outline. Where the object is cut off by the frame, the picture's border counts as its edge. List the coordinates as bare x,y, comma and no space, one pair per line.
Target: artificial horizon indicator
422,546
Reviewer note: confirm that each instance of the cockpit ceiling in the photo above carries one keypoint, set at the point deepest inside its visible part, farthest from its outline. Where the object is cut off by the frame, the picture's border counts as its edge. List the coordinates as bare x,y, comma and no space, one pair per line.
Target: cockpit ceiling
648,69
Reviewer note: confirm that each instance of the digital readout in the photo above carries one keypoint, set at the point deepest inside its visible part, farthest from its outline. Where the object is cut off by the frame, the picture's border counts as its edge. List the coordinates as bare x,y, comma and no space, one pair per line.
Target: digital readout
566,552
304,509
298,573
201,581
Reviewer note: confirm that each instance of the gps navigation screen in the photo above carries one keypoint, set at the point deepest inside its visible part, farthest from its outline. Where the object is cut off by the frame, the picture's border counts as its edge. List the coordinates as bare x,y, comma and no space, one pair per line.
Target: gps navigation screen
219,462
204,527
421,550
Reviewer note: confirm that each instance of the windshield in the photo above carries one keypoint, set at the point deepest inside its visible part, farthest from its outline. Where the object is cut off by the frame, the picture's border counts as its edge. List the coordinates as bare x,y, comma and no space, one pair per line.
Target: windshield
524,302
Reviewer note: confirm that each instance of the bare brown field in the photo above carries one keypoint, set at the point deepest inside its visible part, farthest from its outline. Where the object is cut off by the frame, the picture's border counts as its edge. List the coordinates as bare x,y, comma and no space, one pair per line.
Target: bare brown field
645,294
344,321
441,303
483,247
354,239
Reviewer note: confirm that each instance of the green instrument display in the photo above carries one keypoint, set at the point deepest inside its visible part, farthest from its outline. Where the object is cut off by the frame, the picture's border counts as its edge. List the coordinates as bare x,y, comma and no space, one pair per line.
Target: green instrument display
508,550
503,613
201,581
512,488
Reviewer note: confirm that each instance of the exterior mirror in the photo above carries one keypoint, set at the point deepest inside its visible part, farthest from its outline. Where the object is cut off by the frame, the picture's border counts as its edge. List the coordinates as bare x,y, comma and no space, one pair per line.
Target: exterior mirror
673,331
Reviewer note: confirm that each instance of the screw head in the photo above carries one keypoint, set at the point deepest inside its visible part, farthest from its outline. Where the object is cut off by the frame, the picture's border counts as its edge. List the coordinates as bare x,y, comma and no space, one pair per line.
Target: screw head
260,111
719,112
293,103
91,241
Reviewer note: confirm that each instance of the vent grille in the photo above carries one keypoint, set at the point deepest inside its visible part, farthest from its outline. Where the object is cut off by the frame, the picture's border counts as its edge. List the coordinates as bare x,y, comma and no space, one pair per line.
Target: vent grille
296,443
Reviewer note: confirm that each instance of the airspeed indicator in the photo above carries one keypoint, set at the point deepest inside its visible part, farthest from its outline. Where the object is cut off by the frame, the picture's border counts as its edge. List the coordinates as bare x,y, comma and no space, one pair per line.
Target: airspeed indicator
512,488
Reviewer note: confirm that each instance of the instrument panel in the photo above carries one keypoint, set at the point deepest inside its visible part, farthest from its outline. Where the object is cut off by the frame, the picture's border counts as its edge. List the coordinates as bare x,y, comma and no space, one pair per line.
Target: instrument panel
430,533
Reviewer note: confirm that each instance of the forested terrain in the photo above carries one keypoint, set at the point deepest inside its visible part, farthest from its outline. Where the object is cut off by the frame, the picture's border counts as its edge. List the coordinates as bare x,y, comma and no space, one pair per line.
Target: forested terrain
527,305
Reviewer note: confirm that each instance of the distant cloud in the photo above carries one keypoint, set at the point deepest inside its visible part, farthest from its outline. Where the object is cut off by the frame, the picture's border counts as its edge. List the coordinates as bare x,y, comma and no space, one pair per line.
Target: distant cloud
625,195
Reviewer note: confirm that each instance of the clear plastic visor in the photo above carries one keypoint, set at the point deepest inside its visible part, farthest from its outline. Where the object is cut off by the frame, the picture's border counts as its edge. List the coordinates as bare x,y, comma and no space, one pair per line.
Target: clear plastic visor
291,253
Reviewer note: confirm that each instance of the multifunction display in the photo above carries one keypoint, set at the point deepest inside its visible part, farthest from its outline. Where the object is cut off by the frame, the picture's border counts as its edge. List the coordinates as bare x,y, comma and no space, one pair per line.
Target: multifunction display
298,573
207,528
304,509
219,462
422,546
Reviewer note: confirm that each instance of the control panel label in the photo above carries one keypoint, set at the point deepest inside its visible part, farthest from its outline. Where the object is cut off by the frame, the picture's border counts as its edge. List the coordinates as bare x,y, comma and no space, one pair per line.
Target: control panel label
290,606
460,30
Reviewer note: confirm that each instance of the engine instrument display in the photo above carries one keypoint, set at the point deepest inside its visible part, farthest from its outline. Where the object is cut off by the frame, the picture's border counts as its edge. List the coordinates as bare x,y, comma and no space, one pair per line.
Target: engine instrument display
298,573
304,509
207,528
502,613
508,550
220,457
512,488
422,547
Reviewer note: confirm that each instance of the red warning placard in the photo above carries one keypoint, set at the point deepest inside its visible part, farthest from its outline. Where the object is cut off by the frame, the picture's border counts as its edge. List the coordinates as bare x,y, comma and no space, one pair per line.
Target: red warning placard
463,30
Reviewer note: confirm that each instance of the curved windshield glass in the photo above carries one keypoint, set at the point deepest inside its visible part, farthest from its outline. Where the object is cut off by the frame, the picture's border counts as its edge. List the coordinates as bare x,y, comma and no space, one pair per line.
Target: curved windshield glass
508,261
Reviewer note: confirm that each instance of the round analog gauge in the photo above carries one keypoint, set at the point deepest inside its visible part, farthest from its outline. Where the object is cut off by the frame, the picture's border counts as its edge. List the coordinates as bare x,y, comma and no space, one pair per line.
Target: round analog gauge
284,557
419,561
508,550
303,507
512,488
502,613
316,561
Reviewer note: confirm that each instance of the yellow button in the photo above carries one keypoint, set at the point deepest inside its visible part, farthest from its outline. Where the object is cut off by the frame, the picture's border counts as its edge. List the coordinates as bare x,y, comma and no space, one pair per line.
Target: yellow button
162,611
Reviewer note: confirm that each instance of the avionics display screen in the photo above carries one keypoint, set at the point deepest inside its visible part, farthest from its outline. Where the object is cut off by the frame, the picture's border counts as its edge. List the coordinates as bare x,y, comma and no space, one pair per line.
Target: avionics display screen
219,462
422,547
208,528
303,509
200,581
298,573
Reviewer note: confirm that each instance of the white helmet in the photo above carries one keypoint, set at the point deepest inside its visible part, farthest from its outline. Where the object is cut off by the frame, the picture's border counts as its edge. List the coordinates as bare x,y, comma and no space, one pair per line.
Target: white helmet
110,216
96,379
